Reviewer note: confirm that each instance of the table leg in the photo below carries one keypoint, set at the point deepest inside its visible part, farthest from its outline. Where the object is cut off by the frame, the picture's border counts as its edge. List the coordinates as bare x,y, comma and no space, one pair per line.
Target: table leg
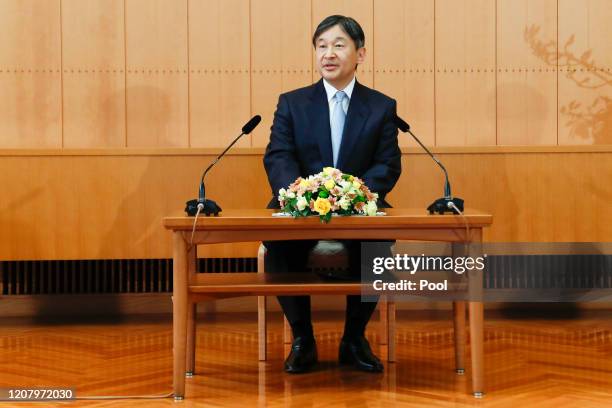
476,310
179,313
192,308
459,326
191,340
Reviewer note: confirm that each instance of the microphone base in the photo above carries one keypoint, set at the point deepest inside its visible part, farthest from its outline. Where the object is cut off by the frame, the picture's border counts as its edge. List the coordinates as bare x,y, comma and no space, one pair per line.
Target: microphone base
210,208
440,206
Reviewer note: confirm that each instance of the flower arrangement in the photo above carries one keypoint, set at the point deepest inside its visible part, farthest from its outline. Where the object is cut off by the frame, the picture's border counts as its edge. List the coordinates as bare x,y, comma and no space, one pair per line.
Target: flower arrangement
326,193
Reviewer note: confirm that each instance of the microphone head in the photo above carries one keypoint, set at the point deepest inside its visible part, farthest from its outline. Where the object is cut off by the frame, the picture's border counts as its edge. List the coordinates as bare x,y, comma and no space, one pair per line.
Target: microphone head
251,124
401,125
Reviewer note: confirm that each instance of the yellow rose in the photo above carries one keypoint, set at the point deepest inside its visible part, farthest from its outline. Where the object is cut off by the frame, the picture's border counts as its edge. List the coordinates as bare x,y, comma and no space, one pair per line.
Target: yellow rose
304,183
322,206
329,184
356,185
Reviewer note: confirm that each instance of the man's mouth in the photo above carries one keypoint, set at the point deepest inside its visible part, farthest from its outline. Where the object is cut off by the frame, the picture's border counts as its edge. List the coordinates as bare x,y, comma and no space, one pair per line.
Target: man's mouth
330,67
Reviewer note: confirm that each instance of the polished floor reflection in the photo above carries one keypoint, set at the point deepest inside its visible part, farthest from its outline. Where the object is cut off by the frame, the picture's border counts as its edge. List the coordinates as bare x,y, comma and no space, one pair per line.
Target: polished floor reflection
530,361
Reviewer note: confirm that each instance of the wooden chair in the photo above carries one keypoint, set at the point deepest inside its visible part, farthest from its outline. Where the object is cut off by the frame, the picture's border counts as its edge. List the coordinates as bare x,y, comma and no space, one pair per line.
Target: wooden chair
326,257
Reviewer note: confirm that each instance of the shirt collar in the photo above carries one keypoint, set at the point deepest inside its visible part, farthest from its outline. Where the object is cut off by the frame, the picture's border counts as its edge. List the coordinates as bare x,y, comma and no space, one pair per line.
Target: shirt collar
331,91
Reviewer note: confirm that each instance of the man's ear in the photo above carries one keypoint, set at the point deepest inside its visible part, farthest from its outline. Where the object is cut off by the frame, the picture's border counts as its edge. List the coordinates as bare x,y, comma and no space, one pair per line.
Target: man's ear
361,55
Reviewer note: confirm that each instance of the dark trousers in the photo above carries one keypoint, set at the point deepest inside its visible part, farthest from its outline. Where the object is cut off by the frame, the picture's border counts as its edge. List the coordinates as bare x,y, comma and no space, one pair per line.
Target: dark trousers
292,257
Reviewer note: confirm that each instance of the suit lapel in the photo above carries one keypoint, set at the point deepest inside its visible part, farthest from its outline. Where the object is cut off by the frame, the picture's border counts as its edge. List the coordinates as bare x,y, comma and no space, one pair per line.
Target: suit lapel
356,117
318,114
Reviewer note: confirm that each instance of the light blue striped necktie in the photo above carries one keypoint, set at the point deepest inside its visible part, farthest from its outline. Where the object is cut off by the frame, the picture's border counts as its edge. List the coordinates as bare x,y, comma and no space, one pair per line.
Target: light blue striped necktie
337,124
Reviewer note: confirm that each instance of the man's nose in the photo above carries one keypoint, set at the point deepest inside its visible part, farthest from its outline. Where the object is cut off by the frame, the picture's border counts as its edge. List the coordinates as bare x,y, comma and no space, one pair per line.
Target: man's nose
329,53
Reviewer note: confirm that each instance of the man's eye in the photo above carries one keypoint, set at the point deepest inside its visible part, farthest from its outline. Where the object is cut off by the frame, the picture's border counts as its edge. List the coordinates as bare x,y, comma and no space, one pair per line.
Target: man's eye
339,45
322,46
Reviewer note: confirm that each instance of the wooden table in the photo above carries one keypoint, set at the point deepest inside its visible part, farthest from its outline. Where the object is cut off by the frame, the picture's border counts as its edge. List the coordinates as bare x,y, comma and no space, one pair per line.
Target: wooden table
260,225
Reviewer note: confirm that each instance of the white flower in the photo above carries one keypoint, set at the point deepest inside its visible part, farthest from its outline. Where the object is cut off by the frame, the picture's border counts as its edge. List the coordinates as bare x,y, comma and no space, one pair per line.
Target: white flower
301,203
371,208
282,193
290,194
344,203
328,171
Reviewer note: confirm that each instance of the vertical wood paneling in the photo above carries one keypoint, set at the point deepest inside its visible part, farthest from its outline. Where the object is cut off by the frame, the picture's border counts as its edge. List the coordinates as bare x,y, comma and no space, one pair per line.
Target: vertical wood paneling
219,53
527,77
363,12
585,76
157,79
30,74
404,62
94,73
281,56
465,72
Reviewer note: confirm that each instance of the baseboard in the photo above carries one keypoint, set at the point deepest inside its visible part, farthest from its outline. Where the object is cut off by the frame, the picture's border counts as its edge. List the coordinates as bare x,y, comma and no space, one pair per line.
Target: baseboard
155,303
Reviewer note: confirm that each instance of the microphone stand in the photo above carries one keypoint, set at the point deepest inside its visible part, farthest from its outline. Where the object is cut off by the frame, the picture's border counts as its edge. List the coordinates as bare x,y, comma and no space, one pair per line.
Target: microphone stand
202,204
448,203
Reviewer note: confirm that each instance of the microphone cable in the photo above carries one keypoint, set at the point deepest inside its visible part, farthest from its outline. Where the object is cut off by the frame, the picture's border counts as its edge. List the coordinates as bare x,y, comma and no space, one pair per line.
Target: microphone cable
452,205
195,222
120,397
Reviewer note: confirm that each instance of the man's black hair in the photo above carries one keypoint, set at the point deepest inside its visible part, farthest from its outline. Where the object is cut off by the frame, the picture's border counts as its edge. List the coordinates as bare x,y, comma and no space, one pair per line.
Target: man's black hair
348,25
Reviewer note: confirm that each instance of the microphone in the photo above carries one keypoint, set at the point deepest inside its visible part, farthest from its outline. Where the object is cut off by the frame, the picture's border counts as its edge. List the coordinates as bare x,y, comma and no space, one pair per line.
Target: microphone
202,203
446,203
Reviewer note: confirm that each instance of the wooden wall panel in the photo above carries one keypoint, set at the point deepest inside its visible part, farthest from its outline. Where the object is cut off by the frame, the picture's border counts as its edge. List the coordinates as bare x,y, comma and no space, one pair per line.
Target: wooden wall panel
195,70
111,206
404,62
281,56
534,197
30,74
94,73
363,12
465,72
96,207
585,72
219,59
527,77
157,78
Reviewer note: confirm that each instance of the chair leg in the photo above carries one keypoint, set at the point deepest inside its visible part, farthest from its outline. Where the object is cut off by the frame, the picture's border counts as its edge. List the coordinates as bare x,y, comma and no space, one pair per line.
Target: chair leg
191,340
383,313
287,336
262,328
459,326
391,331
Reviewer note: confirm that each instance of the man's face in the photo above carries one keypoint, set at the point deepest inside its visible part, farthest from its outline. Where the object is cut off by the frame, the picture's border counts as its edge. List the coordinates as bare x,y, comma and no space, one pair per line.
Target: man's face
337,56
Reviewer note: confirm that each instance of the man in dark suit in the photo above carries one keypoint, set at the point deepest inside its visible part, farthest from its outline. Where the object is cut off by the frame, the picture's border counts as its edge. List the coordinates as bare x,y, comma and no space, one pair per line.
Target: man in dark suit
340,123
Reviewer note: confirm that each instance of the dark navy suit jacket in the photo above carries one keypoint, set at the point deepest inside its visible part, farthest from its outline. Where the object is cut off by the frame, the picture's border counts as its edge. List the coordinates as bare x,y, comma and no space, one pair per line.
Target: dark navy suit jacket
300,142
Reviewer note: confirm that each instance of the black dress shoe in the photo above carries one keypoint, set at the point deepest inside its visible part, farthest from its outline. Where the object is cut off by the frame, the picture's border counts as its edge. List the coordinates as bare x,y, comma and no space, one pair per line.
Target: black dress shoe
356,352
303,356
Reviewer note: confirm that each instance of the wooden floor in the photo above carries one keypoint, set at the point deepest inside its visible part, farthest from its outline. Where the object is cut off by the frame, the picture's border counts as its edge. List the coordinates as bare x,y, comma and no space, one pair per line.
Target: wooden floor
539,362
